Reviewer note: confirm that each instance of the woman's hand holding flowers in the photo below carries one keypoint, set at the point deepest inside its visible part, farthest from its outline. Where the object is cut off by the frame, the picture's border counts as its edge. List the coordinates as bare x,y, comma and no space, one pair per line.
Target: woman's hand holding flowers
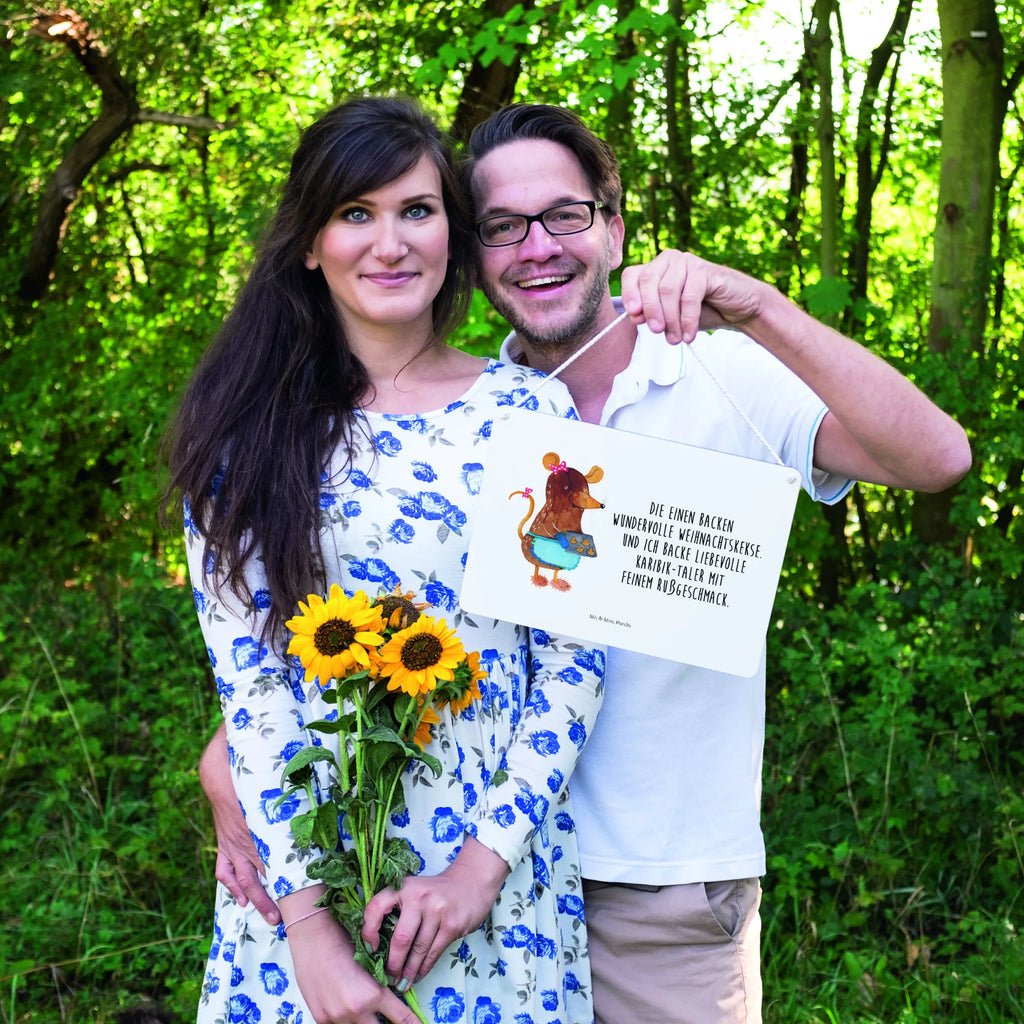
435,910
342,993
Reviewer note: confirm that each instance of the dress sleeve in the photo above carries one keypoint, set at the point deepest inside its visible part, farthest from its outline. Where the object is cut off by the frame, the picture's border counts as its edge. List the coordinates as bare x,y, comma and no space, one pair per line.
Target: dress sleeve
264,708
564,696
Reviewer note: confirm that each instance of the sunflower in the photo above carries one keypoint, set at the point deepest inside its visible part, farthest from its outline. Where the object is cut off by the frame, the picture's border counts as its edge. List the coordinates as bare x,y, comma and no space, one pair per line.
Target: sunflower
417,657
423,732
331,637
472,691
399,610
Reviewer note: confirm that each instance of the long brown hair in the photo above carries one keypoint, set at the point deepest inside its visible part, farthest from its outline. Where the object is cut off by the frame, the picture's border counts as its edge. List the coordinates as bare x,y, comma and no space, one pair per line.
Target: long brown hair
276,392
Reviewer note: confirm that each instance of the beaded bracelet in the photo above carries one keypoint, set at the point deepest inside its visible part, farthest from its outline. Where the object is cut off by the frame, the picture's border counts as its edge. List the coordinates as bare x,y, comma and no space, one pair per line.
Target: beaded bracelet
305,917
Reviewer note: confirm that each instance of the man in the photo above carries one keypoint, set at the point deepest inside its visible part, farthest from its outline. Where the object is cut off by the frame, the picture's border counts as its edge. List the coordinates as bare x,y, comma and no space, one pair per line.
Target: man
667,790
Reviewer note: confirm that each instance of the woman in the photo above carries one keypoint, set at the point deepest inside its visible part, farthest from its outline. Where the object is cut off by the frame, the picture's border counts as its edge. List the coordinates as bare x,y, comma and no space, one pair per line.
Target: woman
330,436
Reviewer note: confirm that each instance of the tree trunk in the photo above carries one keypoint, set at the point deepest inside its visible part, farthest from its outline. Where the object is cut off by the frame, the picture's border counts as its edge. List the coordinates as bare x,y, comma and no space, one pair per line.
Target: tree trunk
819,52
487,89
619,133
973,106
117,115
836,562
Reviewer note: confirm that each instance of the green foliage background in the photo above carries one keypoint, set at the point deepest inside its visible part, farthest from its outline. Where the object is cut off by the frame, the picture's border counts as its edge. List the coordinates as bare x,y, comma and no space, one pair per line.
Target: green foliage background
893,803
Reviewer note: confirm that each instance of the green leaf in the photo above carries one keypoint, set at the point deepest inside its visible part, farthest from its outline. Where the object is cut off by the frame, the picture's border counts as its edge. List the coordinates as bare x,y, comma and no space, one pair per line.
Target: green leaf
429,760
398,862
387,929
484,39
397,801
828,297
382,733
382,695
351,918
351,685
330,726
299,767
302,826
338,869
372,963
325,829
452,55
385,761
346,803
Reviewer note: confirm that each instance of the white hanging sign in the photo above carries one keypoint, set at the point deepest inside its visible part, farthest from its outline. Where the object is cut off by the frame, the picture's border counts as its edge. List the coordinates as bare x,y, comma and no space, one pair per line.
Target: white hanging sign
630,541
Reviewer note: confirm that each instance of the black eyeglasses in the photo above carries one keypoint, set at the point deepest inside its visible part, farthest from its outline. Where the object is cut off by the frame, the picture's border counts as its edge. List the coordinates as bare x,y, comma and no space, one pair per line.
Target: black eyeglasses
563,219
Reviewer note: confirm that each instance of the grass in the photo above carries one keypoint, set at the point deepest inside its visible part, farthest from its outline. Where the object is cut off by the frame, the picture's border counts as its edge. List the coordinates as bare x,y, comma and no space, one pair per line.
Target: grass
107,864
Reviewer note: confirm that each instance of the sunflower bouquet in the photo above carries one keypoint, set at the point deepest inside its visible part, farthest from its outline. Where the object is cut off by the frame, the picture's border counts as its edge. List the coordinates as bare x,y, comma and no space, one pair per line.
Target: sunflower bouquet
389,669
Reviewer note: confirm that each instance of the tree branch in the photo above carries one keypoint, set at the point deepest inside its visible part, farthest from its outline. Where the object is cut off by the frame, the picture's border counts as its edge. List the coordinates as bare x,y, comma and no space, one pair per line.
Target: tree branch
206,124
67,27
61,192
119,113
127,170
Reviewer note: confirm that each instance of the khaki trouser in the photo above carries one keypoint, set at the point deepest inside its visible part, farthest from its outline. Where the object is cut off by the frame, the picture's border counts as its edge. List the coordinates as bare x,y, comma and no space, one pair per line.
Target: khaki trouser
675,954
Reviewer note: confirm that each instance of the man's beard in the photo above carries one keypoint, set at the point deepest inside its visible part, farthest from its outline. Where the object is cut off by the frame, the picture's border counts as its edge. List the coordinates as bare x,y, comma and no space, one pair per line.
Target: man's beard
566,337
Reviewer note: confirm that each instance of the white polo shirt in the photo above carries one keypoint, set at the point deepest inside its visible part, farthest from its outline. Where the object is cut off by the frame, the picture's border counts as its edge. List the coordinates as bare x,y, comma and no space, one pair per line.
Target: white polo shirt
668,788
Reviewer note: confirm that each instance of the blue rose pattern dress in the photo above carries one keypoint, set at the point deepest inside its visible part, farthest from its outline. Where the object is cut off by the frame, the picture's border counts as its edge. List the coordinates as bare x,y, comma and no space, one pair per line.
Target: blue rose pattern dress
402,516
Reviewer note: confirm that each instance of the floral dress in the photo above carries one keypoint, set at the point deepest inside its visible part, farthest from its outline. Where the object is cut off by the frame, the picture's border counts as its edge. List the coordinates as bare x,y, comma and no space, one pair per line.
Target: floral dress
401,516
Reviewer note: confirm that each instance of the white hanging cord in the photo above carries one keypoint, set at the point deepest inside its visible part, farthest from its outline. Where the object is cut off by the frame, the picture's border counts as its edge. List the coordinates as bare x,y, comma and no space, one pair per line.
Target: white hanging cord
558,369
757,433
690,349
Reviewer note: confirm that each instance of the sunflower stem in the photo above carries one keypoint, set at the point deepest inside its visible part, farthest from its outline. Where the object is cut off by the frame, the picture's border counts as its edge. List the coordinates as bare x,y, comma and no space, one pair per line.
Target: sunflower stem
360,834
343,765
414,1004
310,793
382,822
412,711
